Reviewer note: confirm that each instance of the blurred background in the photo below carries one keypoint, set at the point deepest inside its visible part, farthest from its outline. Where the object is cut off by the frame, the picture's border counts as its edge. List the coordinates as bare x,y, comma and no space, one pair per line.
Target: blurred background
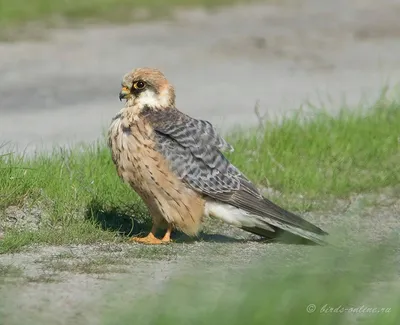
61,62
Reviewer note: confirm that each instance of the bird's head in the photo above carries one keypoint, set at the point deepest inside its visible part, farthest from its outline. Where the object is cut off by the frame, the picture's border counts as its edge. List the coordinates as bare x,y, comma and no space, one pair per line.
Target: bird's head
147,87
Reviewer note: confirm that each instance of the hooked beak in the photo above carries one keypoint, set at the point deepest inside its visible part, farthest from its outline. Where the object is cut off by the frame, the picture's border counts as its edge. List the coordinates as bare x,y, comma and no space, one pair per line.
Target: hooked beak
124,93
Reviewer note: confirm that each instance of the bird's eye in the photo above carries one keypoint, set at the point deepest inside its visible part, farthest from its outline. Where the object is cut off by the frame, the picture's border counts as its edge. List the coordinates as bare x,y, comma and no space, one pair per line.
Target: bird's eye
139,85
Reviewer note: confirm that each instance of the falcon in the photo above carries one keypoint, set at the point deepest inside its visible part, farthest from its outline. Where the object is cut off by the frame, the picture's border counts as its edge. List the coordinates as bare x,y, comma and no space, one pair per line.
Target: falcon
175,163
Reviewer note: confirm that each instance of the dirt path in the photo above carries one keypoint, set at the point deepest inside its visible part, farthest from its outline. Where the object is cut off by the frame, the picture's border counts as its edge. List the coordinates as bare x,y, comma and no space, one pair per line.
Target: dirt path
65,89
79,284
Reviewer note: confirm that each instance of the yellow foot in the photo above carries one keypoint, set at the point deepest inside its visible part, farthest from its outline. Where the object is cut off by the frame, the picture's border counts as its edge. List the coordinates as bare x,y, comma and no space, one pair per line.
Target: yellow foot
150,239
167,236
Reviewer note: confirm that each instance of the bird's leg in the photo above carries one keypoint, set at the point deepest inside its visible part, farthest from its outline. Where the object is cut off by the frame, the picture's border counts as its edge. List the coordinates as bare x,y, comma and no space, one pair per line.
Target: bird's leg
150,239
167,236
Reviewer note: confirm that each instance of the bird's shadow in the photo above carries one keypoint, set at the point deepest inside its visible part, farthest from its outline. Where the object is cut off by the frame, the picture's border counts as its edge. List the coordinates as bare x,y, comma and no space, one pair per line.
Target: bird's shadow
118,220
128,224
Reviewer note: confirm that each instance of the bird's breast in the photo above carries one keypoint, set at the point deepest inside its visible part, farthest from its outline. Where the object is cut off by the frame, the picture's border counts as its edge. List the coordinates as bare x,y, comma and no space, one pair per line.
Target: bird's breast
132,148
147,171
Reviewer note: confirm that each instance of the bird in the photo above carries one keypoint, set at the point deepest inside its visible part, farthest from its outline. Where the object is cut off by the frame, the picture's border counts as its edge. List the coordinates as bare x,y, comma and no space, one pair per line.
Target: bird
177,165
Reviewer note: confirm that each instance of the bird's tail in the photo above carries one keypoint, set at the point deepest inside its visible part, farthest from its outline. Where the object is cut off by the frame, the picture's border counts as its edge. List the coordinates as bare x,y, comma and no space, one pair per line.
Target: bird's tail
273,222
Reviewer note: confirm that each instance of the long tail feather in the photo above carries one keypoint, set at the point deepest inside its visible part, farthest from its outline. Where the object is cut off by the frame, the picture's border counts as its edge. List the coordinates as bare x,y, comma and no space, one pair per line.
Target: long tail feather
268,220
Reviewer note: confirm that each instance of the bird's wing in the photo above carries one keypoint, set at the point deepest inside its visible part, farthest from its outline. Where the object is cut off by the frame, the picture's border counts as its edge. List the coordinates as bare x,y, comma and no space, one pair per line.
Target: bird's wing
193,149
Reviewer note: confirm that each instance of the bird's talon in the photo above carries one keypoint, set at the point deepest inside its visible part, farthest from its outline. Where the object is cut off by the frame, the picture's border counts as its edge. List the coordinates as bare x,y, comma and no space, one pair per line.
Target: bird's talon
149,240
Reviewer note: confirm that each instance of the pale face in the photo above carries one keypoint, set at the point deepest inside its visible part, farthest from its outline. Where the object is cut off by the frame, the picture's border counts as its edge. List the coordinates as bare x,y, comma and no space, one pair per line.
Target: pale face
147,88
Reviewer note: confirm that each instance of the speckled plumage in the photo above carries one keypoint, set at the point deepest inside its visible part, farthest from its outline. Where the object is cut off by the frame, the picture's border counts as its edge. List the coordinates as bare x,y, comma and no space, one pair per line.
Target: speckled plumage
138,163
176,164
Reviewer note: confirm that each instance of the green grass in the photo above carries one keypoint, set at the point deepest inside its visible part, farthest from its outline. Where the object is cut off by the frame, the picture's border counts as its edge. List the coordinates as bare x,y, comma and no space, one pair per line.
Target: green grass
332,287
18,12
83,201
356,151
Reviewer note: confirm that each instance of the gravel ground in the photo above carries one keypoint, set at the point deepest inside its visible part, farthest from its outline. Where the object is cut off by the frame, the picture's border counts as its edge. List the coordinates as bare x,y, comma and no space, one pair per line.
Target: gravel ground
73,284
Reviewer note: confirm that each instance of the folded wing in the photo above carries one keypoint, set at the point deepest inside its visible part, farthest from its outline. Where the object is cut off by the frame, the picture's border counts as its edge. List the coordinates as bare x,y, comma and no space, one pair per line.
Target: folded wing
194,151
